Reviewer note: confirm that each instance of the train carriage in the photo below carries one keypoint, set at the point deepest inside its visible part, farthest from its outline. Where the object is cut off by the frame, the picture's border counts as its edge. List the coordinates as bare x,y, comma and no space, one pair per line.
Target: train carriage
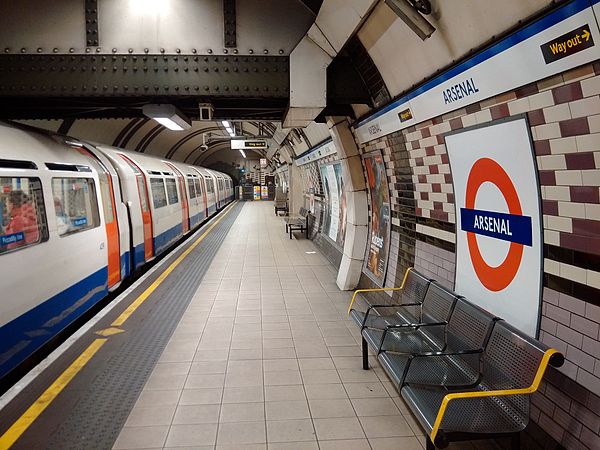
97,212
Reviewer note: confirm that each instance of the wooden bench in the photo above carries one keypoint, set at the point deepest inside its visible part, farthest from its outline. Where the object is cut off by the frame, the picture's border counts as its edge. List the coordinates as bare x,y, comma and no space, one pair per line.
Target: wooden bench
298,223
467,377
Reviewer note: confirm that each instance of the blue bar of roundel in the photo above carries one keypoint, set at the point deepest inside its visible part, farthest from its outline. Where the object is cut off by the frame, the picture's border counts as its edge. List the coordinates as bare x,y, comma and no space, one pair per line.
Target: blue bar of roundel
519,226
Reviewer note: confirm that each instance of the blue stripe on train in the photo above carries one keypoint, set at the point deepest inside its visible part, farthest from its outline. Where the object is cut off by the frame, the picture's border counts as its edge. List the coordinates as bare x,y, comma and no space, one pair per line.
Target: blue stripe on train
163,240
28,332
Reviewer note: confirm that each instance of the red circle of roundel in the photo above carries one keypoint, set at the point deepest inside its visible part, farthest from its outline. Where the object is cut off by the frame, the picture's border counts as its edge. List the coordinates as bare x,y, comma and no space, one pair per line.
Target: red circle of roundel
493,278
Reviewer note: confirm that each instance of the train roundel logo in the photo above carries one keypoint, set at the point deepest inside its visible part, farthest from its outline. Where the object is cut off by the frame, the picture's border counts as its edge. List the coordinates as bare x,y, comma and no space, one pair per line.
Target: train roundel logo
513,227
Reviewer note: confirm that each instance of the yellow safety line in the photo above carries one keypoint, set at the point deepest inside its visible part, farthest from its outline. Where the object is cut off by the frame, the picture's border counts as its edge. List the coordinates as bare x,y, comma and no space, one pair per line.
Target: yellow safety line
44,400
379,290
498,393
144,295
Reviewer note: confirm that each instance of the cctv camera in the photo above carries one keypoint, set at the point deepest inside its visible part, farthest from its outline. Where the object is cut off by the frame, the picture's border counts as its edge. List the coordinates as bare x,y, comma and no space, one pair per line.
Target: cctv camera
204,147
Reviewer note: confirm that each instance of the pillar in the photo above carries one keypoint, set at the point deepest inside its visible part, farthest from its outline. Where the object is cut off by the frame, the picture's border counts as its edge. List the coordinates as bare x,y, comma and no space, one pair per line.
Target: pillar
356,203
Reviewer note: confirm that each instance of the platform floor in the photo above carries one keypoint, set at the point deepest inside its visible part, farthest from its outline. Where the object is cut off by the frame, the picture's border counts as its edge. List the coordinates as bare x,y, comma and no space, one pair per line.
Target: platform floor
265,356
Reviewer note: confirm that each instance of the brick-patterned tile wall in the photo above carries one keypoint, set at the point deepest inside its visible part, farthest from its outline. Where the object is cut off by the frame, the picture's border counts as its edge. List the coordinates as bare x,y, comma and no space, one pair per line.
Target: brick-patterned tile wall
436,263
564,115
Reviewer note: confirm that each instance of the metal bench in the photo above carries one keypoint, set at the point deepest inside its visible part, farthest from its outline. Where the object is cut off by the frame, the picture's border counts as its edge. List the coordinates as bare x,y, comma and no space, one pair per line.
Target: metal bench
412,291
496,404
280,201
438,354
298,223
435,309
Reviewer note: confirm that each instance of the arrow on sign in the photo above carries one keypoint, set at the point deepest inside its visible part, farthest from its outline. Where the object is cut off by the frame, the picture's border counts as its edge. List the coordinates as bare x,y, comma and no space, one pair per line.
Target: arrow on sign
586,35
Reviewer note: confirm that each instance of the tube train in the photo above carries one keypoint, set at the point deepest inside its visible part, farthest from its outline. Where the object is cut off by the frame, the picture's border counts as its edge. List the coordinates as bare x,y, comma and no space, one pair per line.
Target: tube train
76,219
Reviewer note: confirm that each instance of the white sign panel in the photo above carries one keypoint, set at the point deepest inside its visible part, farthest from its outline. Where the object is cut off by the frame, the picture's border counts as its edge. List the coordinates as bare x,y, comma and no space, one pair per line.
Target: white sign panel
498,229
570,35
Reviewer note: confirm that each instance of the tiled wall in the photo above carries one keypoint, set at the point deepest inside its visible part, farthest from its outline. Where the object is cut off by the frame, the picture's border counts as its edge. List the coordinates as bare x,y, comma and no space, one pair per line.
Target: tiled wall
564,115
436,263
313,184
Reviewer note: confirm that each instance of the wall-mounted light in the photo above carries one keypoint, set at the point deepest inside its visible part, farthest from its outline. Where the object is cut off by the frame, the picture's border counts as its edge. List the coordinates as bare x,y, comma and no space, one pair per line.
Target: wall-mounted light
410,15
243,153
168,116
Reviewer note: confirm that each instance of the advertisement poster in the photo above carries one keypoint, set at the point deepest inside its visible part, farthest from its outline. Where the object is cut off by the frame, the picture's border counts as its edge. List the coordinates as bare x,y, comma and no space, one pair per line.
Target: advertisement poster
334,219
380,221
256,192
264,192
498,228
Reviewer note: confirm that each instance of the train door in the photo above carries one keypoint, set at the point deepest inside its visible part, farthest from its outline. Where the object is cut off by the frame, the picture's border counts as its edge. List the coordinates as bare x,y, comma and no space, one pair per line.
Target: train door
185,209
107,196
145,204
202,185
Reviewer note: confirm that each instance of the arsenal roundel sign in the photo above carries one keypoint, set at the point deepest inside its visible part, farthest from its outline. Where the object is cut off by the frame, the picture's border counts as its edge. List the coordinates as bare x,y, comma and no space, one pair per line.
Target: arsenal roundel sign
498,229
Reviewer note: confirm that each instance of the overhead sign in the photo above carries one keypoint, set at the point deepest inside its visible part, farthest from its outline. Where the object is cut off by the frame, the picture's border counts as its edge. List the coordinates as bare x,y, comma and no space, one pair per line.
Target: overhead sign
568,44
559,41
320,151
239,144
498,239
263,163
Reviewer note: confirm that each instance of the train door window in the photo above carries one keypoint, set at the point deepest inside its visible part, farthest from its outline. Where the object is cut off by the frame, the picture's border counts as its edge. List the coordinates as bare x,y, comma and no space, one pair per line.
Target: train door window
75,204
143,194
107,204
198,186
191,187
159,196
172,190
209,185
22,213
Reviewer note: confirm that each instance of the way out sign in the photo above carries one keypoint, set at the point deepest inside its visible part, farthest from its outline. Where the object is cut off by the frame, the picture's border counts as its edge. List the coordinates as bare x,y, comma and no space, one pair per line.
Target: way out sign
498,230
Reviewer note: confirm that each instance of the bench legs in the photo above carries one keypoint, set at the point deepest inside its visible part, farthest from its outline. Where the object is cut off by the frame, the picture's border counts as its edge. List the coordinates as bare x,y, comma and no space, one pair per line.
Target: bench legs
365,354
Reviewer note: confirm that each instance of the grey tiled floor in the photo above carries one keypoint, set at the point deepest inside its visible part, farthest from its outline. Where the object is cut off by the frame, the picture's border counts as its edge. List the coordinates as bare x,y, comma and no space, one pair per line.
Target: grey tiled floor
265,357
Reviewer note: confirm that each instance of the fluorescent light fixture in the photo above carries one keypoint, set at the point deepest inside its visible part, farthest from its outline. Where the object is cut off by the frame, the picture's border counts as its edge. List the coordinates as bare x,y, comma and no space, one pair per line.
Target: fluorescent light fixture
168,116
243,153
226,124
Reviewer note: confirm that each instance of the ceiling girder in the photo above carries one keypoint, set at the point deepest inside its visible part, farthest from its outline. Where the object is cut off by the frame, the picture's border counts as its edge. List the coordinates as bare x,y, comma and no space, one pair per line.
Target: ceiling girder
135,75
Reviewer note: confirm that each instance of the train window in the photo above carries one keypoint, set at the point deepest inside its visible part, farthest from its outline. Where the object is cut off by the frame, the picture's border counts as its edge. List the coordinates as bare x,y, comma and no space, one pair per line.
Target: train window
198,186
75,204
209,185
159,196
143,193
172,190
22,213
191,187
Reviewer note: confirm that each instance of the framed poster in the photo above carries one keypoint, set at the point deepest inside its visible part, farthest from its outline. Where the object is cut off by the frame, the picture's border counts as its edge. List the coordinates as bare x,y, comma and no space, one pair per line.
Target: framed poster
498,225
334,218
256,192
378,246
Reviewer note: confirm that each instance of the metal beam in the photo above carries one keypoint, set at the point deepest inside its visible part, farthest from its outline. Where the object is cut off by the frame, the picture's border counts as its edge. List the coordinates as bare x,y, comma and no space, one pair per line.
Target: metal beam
137,75
229,26
92,38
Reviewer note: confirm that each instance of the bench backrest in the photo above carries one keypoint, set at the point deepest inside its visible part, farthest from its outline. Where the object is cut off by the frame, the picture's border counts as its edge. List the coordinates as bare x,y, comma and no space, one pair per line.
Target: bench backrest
414,288
511,358
438,303
303,211
469,326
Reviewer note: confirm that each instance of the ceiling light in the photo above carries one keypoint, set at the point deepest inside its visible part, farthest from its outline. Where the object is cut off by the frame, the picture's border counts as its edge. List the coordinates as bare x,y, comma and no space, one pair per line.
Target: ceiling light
226,124
168,116
243,153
